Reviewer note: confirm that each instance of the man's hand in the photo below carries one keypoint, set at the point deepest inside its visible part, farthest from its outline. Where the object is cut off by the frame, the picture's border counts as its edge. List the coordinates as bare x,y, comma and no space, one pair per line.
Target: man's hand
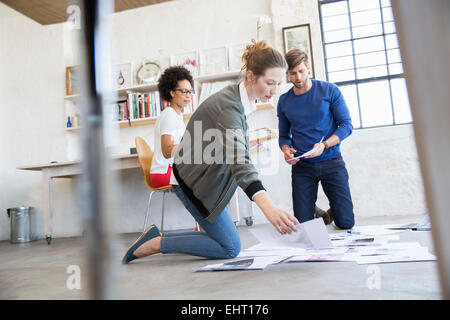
320,147
289,154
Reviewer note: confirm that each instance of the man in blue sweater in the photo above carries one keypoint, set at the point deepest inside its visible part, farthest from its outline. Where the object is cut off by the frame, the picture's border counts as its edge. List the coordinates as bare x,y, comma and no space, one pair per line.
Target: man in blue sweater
313,115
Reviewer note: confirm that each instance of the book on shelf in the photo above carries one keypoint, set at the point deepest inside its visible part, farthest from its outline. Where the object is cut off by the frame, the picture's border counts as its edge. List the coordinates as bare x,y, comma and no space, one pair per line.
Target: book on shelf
153,104
159,102
139,106
146,113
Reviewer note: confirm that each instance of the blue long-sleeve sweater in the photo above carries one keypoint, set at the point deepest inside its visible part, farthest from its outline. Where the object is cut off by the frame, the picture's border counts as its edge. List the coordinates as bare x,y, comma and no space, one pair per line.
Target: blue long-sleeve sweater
304,119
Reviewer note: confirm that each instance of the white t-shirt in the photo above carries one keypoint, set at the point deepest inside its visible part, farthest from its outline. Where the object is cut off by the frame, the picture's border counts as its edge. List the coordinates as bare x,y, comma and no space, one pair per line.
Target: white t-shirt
171,123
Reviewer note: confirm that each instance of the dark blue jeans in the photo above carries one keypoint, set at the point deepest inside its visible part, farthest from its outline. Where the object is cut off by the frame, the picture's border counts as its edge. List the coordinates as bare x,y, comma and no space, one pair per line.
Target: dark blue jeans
333,176
219,241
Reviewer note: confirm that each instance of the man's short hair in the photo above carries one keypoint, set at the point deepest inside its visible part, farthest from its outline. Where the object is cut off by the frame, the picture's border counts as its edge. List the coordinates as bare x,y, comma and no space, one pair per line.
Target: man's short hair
294,57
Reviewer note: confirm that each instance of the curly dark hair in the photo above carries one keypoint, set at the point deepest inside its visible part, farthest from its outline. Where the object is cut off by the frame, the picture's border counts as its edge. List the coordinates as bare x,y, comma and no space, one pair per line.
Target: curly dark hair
169,80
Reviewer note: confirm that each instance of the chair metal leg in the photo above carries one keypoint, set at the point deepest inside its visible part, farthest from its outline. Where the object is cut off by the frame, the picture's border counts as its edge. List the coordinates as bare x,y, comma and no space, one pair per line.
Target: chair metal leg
148,209
162,212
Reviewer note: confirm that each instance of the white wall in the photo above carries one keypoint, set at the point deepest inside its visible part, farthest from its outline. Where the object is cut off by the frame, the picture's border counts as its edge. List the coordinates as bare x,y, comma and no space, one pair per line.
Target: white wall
382,163
31,128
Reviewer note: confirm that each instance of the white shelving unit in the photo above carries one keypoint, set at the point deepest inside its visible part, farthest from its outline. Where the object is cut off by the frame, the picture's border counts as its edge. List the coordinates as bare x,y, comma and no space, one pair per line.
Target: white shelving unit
121,93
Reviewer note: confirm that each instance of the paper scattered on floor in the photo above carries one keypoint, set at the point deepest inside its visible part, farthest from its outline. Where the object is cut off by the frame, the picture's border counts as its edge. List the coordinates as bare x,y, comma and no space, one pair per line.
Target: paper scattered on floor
420,254
310,234
377,230
312,243
334,254
256,263
271,252
423,225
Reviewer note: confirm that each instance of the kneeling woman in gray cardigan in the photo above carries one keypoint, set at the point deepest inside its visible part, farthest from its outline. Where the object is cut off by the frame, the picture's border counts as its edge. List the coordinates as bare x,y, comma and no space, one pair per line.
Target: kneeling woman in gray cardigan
213,159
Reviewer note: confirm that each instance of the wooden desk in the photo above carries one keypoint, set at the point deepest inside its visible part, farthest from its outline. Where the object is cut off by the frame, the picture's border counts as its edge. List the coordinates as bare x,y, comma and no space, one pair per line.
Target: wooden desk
69,169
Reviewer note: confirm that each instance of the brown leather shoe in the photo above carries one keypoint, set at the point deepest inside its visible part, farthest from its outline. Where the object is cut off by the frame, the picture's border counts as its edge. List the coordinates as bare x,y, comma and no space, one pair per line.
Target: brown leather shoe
328,217
318,213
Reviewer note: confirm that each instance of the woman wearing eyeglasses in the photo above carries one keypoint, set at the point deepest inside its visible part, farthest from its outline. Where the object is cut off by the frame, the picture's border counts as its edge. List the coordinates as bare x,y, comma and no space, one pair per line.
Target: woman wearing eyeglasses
213,159
174,86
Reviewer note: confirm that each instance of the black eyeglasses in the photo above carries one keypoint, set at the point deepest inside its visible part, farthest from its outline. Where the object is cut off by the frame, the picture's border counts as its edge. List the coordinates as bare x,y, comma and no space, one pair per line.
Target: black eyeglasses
185,92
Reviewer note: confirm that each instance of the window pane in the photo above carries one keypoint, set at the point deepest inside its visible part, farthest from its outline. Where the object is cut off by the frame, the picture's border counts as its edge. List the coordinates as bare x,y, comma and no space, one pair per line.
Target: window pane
370,59
338,49
341,76
387,14
368,45
339,35
366,17
337,64
332,9
371,72
335,23
395,68
375,102
365,31
358,5
389,27
394,56
351,99
391,41
402,109
385,3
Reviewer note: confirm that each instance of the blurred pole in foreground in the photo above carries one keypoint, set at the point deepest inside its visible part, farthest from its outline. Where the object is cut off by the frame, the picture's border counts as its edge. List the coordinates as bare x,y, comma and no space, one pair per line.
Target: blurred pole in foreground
424,38
94,65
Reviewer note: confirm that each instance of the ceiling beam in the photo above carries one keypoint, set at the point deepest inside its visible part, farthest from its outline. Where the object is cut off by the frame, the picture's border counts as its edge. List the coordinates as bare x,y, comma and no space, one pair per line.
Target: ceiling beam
47,12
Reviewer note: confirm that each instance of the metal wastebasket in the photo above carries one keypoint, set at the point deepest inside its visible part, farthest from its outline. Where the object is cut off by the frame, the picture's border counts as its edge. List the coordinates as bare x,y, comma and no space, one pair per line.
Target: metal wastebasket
22,224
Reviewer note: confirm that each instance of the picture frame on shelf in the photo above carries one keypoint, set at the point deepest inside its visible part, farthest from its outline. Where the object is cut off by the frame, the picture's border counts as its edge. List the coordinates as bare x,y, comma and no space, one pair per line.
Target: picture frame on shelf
189,60
121,76
148,72
299,36
235,52
72,80
213,61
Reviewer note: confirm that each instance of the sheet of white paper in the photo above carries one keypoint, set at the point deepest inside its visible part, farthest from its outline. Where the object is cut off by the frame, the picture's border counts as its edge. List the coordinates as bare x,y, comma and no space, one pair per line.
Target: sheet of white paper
310,234
317,257
305,154
403,245
268,246
406,257
399,252
257,263
388,248
316,233
331,254
271,252
346,236
326,251
271,238
362,242
376,230
425,222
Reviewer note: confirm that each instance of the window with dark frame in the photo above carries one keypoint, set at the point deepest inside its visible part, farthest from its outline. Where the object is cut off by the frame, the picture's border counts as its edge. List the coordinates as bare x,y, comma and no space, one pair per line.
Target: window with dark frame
363,58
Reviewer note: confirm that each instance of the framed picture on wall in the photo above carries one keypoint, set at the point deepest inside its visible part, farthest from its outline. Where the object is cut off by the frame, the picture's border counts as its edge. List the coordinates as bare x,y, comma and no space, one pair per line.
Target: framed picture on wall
235,53
72,80
121,76
189,60
299,37
213,61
